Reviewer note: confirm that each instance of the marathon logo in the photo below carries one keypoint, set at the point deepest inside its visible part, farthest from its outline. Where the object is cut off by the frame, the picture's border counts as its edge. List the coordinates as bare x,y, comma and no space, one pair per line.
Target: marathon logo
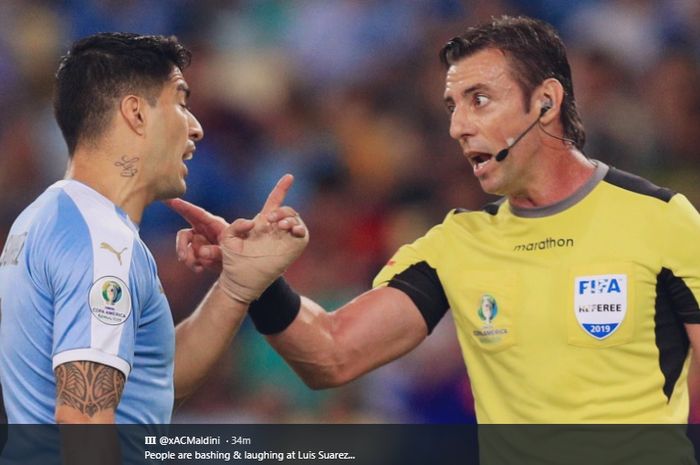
600,303
549,243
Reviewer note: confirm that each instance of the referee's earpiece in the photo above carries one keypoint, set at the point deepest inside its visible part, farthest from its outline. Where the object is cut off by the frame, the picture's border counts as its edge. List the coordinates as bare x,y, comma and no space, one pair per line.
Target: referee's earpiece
546,106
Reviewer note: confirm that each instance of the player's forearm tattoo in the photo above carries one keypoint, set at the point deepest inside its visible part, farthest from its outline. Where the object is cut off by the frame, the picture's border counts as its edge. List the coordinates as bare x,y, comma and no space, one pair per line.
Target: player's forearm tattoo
88,386
128,166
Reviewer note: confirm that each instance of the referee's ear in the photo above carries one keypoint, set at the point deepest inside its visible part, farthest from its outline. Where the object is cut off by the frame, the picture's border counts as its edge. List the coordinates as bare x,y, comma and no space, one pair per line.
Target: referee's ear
131,110
550,91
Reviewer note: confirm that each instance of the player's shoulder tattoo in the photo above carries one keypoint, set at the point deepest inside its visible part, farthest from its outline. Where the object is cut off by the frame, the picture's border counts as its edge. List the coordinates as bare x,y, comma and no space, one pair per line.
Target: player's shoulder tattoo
88,386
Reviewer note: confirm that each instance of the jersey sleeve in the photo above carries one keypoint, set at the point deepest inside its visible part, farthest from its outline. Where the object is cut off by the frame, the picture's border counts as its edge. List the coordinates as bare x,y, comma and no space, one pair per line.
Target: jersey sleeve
90,287
413,270
680,276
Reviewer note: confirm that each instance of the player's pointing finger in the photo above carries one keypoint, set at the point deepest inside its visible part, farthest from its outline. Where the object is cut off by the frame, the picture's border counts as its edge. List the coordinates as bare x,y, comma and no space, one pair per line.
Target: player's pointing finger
200,219
194,215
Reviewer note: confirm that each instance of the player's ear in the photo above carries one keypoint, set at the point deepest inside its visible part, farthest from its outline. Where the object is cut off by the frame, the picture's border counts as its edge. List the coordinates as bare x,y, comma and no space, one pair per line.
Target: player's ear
132,109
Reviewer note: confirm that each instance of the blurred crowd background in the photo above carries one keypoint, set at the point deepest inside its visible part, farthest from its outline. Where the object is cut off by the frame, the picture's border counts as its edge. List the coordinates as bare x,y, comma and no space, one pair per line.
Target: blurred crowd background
347,96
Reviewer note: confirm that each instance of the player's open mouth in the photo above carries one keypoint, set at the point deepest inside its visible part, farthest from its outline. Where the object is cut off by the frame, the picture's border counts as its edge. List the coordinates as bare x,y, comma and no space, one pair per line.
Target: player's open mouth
186,157
189,154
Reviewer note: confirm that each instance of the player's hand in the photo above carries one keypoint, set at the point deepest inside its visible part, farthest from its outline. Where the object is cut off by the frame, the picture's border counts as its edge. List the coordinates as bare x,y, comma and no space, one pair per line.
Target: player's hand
256,252
198,246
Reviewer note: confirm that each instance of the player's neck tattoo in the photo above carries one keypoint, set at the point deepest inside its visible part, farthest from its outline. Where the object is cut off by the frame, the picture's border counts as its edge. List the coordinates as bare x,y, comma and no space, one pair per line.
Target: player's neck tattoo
128,166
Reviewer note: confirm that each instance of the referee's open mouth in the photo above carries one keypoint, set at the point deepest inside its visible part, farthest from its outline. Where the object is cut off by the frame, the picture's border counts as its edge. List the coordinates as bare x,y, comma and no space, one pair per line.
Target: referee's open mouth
479,160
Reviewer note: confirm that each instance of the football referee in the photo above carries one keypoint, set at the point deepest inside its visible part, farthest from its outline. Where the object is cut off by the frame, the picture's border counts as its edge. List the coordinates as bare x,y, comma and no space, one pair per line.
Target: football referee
575,295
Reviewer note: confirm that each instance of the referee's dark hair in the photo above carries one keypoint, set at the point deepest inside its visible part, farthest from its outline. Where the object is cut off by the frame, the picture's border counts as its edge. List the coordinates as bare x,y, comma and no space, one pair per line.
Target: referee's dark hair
535,53
101,68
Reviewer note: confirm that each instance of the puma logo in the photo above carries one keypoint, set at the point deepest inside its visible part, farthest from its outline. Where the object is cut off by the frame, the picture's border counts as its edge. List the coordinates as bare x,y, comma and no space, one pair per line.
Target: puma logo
109,248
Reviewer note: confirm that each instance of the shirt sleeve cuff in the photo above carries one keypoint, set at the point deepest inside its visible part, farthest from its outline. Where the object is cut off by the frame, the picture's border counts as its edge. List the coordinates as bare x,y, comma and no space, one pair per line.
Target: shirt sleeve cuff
92,355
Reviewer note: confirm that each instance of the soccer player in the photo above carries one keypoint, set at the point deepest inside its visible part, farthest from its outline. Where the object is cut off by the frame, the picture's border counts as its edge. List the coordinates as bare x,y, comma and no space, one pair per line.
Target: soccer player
591,275
87,335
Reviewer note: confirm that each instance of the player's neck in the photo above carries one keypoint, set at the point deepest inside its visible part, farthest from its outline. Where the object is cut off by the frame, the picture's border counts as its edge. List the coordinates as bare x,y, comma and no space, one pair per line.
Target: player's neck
115,174
555,179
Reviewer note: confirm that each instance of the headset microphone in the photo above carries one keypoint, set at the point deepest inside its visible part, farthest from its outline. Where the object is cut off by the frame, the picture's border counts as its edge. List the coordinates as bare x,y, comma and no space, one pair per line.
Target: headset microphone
500,156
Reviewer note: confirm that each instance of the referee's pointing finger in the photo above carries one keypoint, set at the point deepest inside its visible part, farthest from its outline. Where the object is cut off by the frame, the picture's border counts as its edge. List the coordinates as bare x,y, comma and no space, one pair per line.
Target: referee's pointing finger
276,197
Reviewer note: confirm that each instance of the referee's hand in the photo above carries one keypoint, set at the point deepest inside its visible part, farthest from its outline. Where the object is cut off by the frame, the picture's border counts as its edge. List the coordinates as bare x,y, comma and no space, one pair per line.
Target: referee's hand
256,252
198,246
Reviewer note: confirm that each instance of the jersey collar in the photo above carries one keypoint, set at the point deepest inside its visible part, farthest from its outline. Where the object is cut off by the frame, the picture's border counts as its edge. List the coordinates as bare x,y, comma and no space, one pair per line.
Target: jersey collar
101,199
601,169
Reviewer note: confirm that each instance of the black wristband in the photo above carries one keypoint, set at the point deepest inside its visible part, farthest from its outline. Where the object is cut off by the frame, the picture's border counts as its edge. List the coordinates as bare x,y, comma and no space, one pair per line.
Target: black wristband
276,308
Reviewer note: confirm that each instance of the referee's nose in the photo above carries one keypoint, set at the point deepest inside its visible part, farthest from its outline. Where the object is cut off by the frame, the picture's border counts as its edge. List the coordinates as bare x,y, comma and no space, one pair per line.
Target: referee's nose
461,124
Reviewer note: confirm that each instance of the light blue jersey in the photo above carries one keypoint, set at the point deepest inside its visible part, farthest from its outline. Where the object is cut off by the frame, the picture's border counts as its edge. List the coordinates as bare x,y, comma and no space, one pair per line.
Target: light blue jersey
78,284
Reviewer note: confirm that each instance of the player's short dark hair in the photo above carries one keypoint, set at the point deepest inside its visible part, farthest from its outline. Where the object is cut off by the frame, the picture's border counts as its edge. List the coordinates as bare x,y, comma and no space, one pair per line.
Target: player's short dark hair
535,53
101,68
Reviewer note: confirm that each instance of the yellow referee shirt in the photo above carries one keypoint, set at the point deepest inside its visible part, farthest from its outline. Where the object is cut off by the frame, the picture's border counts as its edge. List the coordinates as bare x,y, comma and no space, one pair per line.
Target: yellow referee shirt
571,313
